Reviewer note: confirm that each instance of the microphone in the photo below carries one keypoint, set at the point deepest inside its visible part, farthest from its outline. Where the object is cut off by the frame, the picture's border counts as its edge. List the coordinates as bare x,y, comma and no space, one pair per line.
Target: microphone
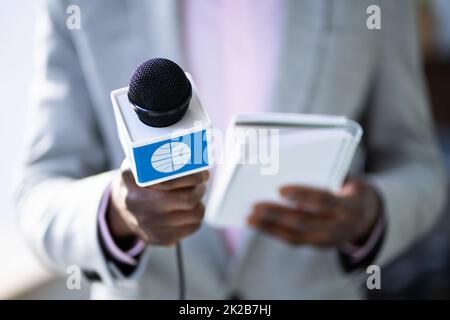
160,92
162,126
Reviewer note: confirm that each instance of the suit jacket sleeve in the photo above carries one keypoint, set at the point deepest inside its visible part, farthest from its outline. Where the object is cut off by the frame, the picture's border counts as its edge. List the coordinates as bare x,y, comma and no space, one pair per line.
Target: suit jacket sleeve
56,204
404,163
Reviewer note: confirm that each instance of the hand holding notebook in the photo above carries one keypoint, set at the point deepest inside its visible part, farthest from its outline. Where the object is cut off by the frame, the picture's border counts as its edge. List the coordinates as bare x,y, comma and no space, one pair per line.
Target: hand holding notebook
313,150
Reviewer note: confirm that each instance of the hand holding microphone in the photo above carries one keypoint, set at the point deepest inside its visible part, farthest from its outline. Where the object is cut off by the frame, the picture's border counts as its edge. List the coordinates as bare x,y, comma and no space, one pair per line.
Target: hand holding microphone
157,194
161,214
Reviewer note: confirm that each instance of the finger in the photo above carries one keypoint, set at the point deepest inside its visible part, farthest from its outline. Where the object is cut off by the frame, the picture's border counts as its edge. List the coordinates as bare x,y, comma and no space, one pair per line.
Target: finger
282,232
171,235
310,198
183,199
183,182
177,218
142,201
318,231
292,217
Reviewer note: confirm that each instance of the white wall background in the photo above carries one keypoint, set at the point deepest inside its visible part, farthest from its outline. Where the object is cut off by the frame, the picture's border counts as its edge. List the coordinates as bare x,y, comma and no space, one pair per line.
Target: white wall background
20,273
17,20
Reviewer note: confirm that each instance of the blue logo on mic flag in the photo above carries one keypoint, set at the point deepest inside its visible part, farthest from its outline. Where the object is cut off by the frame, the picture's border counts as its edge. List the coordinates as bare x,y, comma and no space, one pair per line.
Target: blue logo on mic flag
172,156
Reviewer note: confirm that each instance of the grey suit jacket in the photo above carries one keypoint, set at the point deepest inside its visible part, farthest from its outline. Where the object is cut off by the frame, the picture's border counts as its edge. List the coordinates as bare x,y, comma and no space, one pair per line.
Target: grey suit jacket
330,63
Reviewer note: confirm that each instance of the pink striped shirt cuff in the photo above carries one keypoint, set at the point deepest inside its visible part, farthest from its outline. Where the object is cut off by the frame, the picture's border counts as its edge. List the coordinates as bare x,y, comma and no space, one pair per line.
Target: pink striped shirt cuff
126,257
358,253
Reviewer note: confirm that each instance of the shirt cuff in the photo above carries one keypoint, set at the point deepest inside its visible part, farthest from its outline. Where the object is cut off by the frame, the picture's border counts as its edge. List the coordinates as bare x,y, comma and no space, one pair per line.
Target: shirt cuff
126,257
356,253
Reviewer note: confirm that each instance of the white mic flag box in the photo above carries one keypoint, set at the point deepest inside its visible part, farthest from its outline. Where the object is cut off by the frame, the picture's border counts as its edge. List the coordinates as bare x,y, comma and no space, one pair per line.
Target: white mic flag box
160,154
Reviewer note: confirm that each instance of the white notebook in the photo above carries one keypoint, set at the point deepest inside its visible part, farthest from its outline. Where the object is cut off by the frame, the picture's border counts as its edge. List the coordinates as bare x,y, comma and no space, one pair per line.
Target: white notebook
313,150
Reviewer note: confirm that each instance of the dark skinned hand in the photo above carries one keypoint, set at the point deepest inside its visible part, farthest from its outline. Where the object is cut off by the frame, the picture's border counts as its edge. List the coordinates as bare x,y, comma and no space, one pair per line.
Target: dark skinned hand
161,214
320,218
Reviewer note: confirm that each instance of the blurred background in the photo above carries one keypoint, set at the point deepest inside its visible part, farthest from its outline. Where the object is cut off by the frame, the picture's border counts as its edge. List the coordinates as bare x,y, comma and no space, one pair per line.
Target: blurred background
21,276
422,273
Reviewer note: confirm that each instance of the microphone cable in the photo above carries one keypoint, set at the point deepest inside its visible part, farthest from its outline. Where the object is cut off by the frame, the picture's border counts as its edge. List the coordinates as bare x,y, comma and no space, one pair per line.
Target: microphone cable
180,267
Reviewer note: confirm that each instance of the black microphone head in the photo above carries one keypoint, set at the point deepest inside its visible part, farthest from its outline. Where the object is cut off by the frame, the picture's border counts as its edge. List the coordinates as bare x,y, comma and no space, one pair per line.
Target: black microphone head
160,92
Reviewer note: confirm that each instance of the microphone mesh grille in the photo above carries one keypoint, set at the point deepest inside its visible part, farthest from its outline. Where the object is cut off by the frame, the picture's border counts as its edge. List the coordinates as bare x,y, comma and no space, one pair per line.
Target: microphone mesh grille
158,85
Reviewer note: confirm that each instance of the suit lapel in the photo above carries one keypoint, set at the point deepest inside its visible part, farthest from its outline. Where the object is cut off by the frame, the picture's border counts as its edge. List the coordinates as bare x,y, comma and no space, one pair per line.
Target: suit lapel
164,23
305,24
